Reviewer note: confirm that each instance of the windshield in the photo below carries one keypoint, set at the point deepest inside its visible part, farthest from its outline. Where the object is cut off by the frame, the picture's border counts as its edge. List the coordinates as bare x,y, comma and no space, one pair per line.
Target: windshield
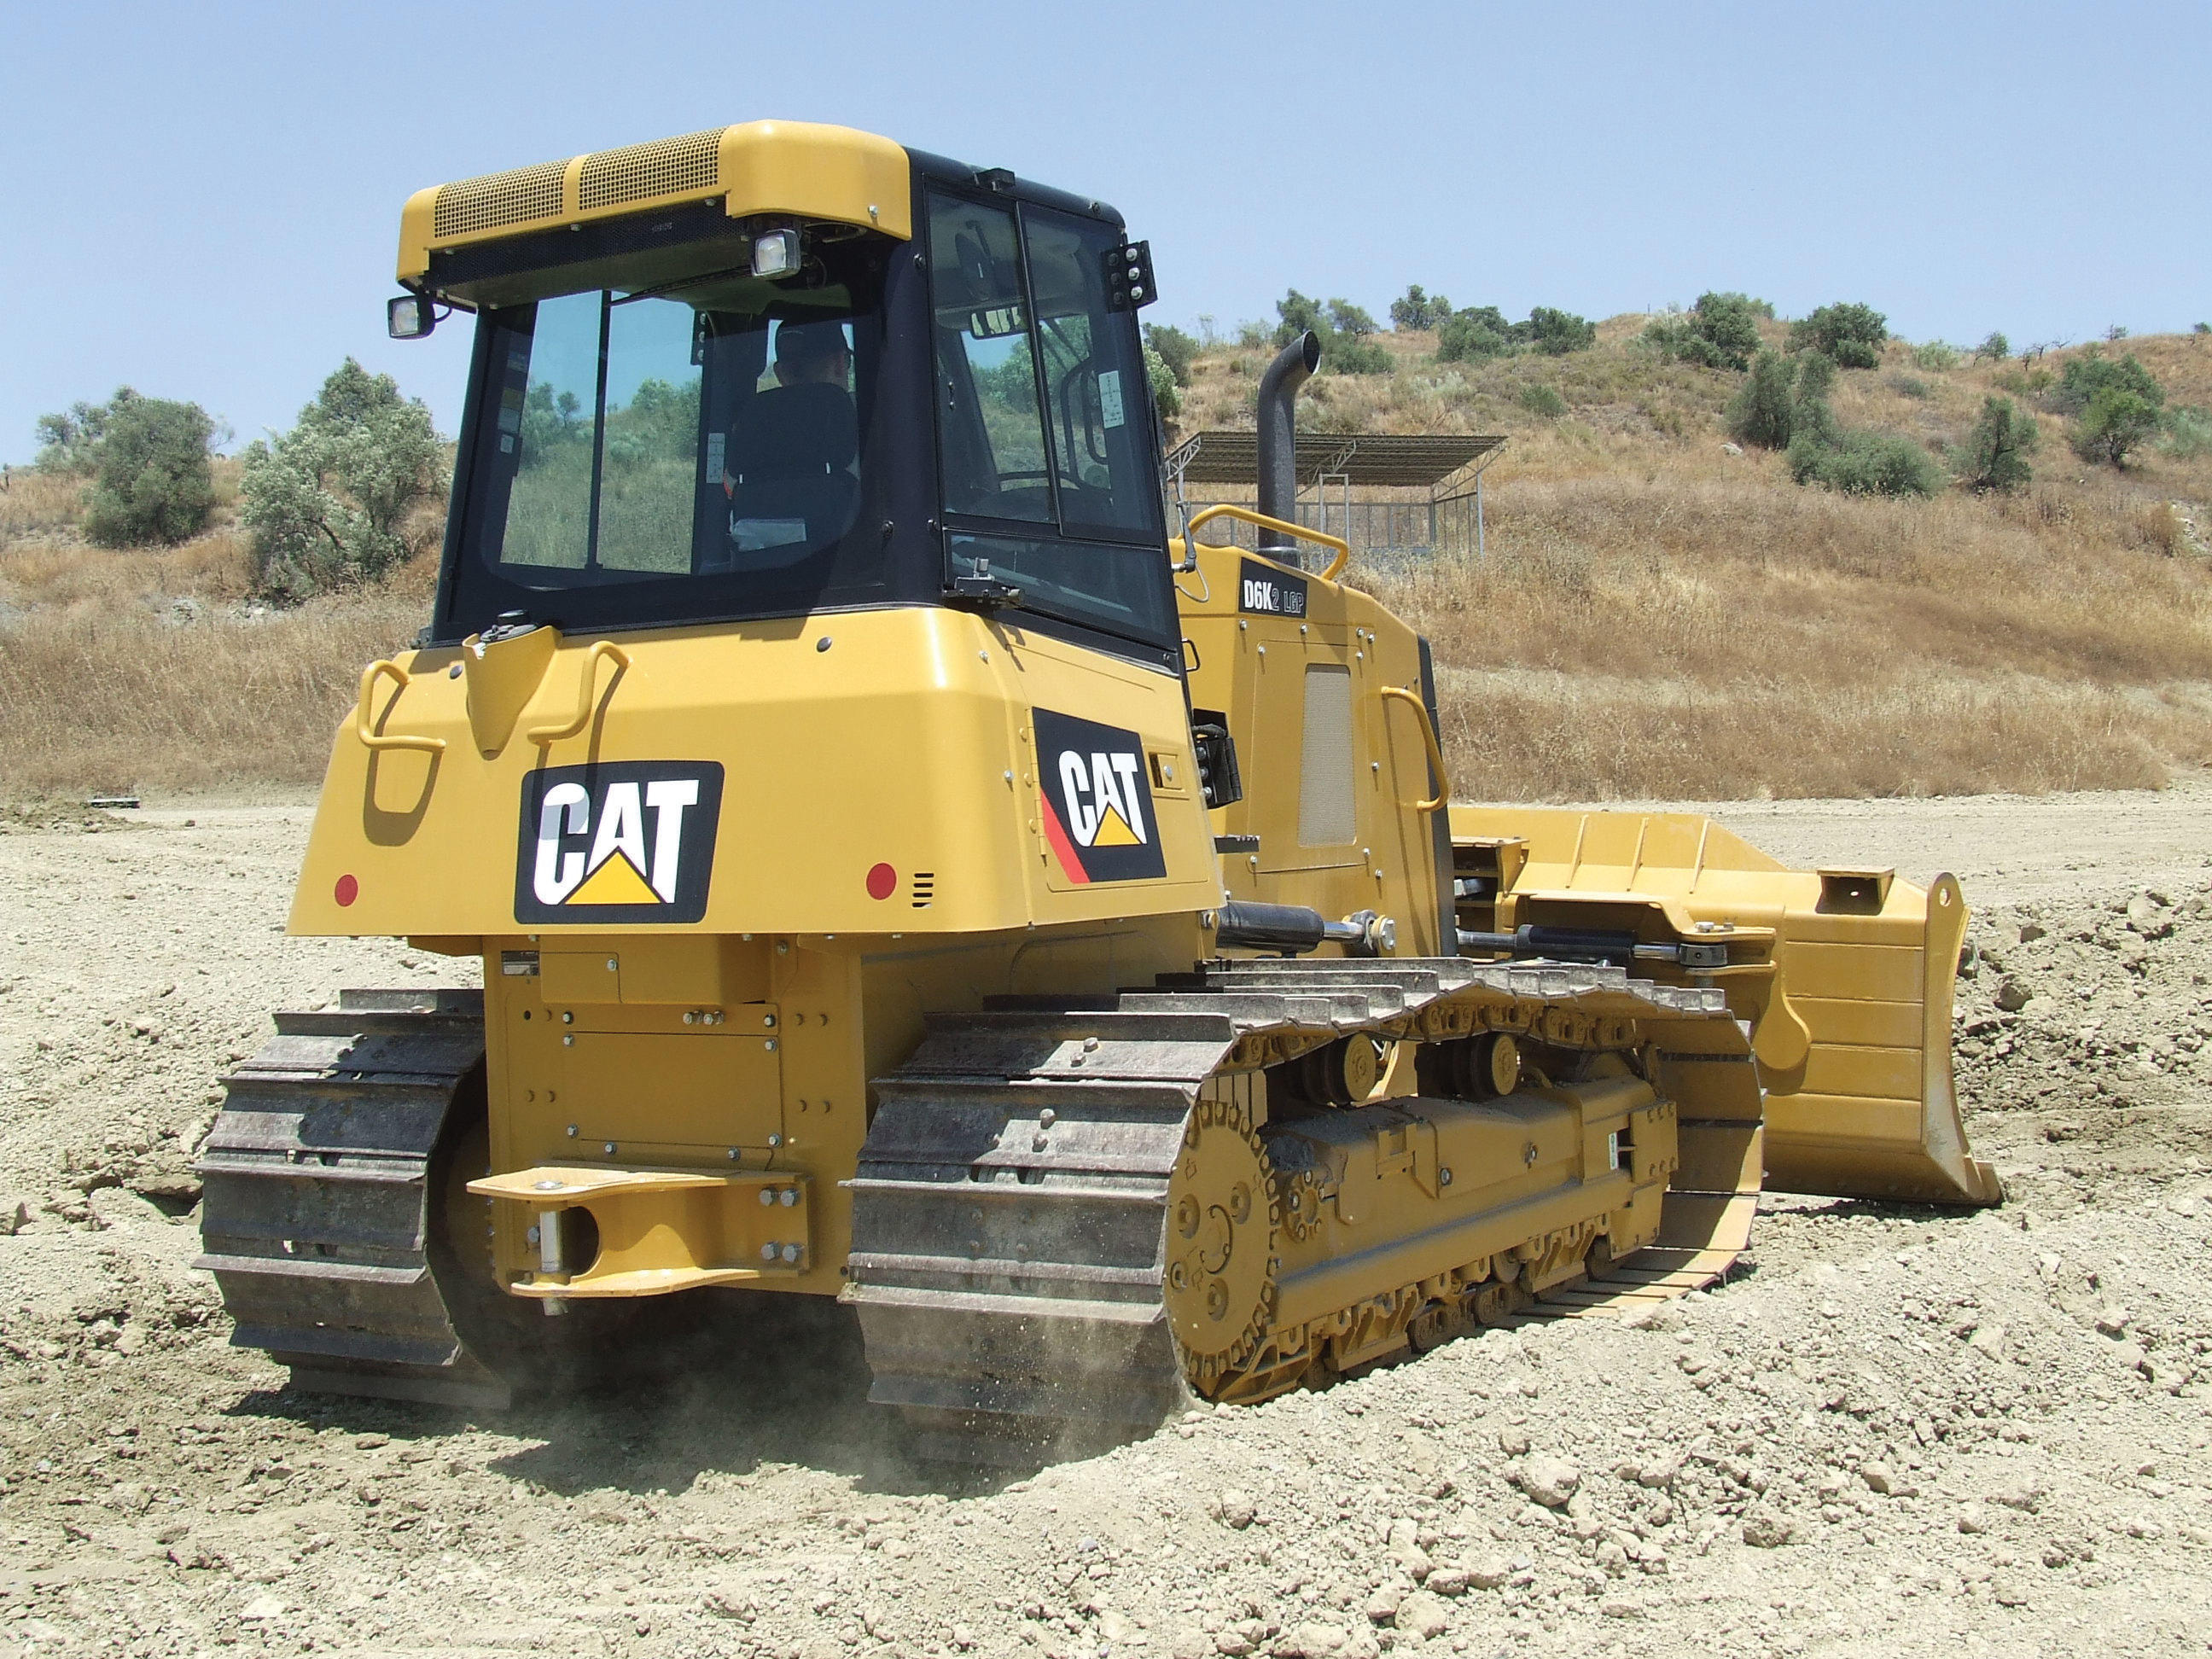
702,432
1046,441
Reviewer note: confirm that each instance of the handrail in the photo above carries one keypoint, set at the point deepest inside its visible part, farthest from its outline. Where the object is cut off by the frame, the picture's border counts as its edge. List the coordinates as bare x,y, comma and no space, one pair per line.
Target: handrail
1231,510
383,668
546,734
1435,750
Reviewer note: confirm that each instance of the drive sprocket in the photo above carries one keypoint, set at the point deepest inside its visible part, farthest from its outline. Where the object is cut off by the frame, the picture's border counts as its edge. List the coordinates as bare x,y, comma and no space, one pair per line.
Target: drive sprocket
1222,1221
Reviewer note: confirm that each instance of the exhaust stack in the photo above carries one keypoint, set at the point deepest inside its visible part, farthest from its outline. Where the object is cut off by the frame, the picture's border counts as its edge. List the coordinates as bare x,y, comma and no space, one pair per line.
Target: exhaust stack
1278,448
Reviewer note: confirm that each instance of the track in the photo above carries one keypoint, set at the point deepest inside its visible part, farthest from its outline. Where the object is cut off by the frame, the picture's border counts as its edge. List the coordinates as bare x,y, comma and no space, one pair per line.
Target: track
1011,1207
319,1222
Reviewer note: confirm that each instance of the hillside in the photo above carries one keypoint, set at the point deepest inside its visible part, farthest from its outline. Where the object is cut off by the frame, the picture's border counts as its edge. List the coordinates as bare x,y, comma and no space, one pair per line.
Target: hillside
1658,617
1661,615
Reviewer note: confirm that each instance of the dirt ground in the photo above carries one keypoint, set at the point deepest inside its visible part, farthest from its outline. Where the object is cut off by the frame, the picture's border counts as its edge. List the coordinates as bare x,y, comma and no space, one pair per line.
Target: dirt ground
1898,1431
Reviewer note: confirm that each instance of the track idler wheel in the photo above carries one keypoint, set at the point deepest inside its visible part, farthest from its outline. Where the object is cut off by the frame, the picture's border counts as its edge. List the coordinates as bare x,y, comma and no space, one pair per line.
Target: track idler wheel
1221,1230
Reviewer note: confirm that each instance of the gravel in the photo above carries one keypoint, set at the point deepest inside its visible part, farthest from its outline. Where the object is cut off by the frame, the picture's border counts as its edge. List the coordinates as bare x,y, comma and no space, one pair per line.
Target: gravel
1898,1430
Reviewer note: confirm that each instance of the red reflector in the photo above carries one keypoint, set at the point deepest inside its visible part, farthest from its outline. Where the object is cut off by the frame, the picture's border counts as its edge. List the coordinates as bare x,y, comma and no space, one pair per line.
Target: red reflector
883,881
348,890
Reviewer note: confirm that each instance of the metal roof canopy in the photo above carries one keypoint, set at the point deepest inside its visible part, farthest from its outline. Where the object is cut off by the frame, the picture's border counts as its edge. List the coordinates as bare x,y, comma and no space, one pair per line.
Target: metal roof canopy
1386,460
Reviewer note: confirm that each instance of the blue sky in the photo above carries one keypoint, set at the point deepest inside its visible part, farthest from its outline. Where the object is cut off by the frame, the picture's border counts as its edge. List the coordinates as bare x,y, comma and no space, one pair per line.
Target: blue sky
204,201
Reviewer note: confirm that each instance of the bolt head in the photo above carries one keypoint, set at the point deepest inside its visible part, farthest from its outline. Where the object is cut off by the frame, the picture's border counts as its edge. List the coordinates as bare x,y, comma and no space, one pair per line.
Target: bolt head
608,1148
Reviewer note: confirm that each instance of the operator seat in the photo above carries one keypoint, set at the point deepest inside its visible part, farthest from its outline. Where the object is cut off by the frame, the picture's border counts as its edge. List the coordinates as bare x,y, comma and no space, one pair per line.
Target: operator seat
791,458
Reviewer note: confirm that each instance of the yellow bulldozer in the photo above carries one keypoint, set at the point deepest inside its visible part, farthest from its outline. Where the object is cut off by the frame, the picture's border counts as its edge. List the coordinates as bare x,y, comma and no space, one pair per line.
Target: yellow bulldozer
912,865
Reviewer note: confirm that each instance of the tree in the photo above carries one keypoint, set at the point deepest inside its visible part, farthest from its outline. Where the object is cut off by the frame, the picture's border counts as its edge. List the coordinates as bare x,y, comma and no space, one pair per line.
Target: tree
1720,331
1849,336
324,501
1558,332
1762,411
1994,455
153,480
2116,423
2093,371
1419,310
1178,349
69,443
1160,378
1346,318
1995,348
1300,315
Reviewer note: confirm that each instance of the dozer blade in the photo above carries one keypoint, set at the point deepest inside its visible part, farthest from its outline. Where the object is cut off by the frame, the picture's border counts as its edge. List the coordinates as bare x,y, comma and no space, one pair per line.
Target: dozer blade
1854,1047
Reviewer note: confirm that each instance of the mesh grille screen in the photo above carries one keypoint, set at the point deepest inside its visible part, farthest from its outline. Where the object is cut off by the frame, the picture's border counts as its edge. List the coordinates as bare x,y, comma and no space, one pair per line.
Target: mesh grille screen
1325,805
664,168
498,199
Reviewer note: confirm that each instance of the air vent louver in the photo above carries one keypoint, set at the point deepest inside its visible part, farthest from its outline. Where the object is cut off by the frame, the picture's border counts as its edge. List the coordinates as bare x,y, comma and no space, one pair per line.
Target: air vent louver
637,172
924,889
498,199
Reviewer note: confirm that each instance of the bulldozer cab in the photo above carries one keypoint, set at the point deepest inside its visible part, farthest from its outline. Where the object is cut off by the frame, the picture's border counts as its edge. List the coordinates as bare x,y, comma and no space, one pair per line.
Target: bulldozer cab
707,414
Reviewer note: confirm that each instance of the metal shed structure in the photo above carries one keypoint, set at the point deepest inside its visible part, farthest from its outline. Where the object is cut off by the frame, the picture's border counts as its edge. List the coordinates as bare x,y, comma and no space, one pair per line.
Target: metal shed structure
1396,497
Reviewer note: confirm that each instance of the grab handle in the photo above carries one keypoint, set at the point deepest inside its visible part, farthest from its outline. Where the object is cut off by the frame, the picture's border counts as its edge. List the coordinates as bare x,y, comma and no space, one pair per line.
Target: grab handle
1428,737
1230,510
363,728
546,734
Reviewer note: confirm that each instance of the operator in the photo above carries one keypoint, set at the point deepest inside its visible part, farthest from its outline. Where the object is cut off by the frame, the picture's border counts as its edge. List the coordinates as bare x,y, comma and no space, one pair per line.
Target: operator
806,354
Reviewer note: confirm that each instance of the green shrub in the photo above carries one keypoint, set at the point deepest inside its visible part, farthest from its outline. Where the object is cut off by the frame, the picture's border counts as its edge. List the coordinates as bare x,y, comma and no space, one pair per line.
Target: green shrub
1540,399
1909,385
1995,455
1473,335
2116,423
1936,355
324,501
1720,331
2188,433
1347,354
1863,463
1178,349
1762,410
2093,371
1995,347
153,478
1252,335
1558,332
1160,378
1342,351
1419,310
1848,336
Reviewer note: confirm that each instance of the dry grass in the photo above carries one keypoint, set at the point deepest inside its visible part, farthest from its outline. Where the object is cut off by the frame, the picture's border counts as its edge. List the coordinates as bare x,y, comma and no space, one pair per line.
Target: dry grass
152,668
1657,618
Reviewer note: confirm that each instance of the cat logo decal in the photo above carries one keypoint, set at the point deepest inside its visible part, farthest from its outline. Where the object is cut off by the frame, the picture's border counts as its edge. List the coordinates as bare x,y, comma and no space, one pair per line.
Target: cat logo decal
1098,800
623,841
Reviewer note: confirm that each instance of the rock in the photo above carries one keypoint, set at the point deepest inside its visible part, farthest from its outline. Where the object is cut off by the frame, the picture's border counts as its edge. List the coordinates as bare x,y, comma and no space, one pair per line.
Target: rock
1731,449
1620,1607
1661,1474
2030,931
263,1607
1550,1481
1405,1547
1232,1644
1114,1626
1764,1529
1612,1559
1490,1573
1383,1606
1446,1581
2023,1495
1311,1640
1878,1477
2008,1594
964,1638
1514,1442
1235,1510
2013,996
1973,1518
1988,1340
1423,1615
2114,1322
